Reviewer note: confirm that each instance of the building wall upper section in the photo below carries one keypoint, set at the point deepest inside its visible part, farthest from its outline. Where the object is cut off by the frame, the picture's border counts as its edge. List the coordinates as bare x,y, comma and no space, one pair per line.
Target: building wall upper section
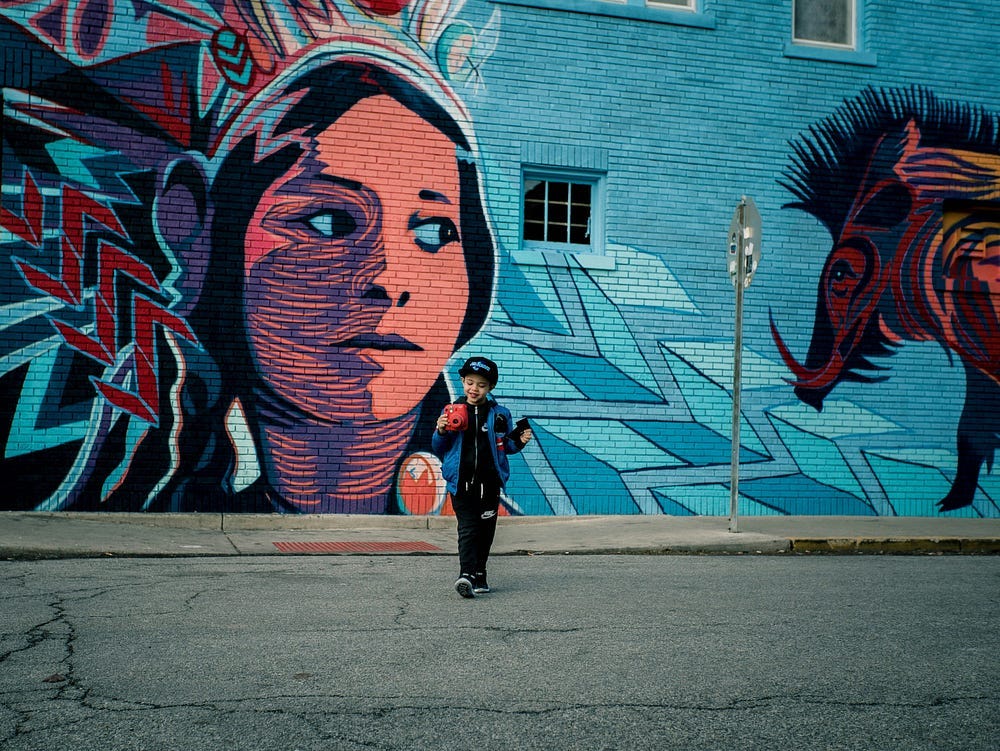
246,246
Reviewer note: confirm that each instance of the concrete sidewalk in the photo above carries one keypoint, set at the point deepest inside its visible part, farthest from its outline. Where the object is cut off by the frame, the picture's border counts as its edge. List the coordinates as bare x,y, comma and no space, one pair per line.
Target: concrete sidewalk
38,535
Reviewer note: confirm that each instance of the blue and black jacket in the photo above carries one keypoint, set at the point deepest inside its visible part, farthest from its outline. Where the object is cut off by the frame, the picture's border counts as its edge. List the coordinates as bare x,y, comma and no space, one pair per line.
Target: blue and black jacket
499,424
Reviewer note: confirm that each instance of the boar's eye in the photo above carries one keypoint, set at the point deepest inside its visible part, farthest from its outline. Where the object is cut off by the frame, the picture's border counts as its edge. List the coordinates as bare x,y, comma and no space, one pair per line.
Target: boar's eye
848,276
840,271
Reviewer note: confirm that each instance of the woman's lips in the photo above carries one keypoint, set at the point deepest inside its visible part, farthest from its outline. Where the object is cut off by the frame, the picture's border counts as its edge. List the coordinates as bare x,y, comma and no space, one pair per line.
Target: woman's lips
380,342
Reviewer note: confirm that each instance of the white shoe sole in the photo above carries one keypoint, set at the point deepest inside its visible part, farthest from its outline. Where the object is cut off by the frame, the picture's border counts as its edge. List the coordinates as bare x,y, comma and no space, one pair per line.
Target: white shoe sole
464,587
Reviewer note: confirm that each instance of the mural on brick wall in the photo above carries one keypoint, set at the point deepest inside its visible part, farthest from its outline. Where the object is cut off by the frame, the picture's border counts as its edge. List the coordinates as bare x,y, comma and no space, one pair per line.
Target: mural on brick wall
249,236
914,213
244,247
631,397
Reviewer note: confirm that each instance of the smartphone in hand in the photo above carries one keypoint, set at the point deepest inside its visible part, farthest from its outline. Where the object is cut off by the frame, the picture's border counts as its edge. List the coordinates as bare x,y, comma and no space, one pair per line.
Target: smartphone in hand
519,427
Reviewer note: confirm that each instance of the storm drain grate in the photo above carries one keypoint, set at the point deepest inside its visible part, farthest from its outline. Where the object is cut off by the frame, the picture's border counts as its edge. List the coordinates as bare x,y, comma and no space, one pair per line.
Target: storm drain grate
357,547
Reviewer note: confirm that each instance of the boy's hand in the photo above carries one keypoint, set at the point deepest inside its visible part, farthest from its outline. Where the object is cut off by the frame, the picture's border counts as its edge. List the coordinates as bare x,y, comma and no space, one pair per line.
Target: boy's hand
525,437
442,424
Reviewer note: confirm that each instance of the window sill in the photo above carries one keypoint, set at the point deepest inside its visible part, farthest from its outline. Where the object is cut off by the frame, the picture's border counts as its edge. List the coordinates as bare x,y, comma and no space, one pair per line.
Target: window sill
637,13
829,55
562,259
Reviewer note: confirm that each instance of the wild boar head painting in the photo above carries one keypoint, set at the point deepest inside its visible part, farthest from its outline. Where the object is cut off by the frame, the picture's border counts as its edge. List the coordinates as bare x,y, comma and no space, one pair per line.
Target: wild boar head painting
908,186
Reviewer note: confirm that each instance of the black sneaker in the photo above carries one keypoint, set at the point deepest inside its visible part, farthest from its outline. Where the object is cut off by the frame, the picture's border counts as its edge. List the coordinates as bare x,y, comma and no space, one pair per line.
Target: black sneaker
479,584
464,586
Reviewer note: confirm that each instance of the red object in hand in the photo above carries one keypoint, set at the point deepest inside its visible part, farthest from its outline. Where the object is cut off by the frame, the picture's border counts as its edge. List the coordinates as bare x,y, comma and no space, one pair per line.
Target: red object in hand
383,7
458,417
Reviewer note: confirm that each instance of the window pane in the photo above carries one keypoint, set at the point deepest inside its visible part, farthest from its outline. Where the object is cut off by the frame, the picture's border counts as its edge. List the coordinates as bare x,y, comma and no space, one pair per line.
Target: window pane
580,213
558,212
534,190
534,211
559,192
826,21
534,231
579,234
579,201
557,233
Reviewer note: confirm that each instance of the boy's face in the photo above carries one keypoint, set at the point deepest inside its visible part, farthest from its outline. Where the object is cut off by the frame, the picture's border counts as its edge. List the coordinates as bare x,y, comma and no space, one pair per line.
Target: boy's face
476,388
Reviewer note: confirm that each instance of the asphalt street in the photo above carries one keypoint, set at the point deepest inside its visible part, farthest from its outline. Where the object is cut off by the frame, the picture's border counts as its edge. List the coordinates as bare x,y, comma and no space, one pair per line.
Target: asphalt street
627,652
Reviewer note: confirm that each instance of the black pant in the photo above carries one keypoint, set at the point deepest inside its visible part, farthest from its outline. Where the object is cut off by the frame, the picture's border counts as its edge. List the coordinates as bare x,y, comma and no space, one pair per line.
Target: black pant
476,505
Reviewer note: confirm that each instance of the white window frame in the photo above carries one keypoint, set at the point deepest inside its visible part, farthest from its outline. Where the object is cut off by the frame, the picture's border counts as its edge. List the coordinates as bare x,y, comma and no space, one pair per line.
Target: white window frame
691,5
854,54
596,181
676,12
852,28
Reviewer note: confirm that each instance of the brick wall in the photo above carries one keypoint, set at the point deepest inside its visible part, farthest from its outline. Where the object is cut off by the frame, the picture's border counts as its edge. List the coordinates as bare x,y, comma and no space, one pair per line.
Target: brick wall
222,389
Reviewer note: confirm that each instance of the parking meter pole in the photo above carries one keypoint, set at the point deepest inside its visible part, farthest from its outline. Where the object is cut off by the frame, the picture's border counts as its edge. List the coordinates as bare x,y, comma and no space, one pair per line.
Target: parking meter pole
740,281
742,259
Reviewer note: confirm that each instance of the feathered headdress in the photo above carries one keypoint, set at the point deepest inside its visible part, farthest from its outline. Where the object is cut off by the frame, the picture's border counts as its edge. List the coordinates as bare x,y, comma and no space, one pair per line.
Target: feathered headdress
203,60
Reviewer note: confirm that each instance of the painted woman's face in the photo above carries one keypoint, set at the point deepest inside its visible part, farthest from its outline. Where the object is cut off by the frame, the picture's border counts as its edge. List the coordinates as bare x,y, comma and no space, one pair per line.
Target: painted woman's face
355,278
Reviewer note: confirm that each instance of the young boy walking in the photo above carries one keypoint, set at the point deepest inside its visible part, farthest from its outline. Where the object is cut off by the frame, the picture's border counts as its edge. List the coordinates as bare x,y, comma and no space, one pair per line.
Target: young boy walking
475,467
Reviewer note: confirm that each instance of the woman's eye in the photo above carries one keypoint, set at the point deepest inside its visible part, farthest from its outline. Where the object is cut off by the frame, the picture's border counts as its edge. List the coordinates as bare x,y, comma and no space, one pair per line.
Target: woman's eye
433,234
334,224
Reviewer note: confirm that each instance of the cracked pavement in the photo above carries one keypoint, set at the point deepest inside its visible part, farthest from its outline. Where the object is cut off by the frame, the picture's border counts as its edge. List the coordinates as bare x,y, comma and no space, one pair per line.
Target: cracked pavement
569,652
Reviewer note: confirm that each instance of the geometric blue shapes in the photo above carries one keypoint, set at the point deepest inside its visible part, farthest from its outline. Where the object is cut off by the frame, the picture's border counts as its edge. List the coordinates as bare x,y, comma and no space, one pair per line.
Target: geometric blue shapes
989,490
25,336
708,402
798,494
545,382
30,430
708,499
659,288
837,420
524,492
612,335
669,506
692,442
610,442
530,298
597,378
817,457
593,487
714,360
913,488
70,157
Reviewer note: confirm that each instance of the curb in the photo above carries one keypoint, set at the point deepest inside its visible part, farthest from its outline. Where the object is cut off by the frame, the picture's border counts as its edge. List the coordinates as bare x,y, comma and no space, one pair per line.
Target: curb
67,535
891,546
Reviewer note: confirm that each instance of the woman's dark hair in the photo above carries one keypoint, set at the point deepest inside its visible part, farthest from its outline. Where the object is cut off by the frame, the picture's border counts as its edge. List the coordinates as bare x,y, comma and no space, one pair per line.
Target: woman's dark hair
226,369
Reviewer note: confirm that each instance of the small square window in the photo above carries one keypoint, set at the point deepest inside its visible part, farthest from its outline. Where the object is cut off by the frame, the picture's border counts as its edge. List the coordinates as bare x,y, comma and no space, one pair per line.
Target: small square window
826,23
560,211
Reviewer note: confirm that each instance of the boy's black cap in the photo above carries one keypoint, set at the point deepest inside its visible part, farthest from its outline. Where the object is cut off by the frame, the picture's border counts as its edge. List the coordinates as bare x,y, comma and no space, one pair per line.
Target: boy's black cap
483,367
